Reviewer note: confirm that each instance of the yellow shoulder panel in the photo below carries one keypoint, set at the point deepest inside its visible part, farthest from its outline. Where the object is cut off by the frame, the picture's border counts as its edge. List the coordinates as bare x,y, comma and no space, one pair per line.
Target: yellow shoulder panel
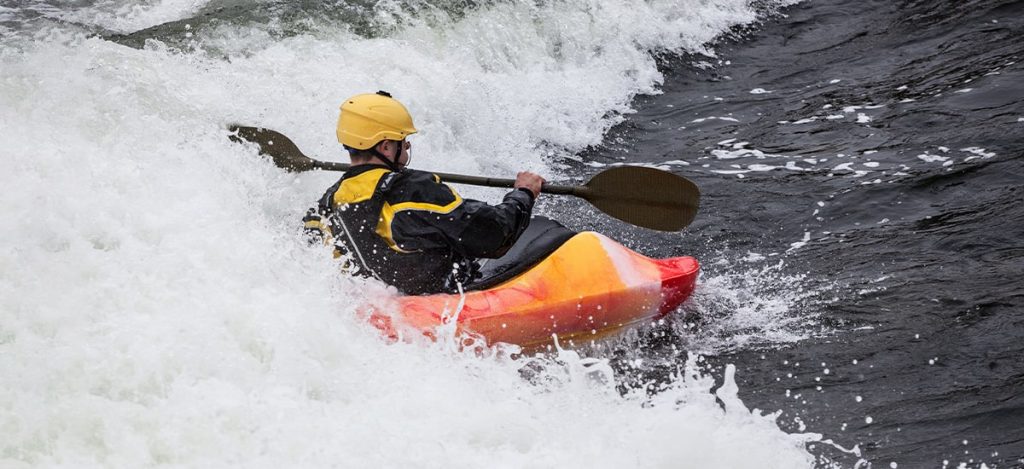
359,188
388,212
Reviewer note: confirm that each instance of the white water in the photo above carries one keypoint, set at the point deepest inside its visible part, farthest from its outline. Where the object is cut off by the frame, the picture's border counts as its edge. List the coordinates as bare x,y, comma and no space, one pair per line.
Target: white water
749,306
157,306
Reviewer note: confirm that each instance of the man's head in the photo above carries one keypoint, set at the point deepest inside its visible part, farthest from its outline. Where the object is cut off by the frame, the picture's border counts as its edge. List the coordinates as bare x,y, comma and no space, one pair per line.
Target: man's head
374,127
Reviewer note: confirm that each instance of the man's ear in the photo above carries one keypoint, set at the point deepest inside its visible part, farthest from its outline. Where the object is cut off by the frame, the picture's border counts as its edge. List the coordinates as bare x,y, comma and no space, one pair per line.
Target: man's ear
382,147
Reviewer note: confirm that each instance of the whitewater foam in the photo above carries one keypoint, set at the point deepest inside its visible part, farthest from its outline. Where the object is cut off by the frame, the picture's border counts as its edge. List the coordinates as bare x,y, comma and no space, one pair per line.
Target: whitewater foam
160,308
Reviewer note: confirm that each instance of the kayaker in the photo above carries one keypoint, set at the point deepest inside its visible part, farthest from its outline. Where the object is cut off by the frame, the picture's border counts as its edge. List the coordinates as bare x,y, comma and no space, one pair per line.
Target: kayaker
403,226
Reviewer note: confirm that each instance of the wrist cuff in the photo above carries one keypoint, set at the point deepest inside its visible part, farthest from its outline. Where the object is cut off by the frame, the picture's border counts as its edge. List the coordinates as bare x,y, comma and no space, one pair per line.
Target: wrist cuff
528,191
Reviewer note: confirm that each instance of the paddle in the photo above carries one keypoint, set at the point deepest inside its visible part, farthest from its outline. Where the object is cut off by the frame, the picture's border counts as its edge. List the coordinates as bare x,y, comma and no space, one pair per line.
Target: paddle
639,195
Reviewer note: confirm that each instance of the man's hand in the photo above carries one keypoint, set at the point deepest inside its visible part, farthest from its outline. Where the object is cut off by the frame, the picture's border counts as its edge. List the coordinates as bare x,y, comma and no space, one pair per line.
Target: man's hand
529,181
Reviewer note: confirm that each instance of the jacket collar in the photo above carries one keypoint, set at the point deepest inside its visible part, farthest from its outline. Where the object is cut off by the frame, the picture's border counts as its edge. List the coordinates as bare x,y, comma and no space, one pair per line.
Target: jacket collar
356,170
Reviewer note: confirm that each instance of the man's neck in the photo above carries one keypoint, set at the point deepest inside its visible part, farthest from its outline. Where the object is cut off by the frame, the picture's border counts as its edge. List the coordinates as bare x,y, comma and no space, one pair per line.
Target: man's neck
375,161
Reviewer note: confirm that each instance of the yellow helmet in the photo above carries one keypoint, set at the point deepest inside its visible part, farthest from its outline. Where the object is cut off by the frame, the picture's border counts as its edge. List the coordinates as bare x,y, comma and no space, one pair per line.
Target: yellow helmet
366,119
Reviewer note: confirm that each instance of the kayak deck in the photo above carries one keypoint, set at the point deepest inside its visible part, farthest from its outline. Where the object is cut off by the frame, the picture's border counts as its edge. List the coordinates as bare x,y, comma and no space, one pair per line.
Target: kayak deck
588,288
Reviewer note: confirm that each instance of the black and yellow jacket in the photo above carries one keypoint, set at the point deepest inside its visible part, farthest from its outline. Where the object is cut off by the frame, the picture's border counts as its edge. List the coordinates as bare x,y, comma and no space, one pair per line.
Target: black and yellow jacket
412,231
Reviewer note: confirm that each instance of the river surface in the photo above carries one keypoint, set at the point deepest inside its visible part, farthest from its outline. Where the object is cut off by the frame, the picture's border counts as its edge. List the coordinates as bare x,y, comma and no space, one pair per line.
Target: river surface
873,151
861,233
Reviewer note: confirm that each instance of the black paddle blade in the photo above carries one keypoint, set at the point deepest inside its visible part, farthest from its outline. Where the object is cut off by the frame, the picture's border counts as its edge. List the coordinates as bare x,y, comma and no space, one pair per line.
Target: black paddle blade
646,197
274,144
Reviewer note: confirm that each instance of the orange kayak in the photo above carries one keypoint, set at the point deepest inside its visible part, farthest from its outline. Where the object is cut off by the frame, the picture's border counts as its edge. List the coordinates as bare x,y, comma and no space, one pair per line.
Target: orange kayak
589,287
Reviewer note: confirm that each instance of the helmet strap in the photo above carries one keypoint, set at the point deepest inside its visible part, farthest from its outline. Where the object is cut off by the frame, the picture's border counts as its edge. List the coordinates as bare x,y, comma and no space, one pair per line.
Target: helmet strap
391,163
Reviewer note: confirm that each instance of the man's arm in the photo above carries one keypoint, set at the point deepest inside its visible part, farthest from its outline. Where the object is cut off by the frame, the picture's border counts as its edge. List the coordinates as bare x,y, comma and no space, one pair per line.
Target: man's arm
441,218
490,230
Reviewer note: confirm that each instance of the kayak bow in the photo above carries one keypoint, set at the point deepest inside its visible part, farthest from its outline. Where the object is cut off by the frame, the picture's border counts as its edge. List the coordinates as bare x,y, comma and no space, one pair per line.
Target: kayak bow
588,288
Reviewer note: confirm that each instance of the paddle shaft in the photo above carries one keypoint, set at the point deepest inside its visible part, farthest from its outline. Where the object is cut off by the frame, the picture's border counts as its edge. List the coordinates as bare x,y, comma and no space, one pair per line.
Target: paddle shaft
579,191
639,195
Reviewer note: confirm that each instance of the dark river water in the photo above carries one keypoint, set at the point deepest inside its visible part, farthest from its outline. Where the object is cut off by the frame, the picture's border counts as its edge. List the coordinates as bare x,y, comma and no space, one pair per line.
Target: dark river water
884,138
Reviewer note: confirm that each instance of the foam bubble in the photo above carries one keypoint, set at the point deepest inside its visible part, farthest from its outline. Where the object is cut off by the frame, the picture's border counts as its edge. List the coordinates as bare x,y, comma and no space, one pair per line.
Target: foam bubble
928,158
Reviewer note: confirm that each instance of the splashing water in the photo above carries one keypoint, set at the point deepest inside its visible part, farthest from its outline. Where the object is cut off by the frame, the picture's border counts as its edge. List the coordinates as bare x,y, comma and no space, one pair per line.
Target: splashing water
157,306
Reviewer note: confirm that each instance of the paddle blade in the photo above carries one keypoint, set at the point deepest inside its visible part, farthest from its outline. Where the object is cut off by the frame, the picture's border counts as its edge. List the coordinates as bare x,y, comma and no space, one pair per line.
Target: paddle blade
645,197
274,144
